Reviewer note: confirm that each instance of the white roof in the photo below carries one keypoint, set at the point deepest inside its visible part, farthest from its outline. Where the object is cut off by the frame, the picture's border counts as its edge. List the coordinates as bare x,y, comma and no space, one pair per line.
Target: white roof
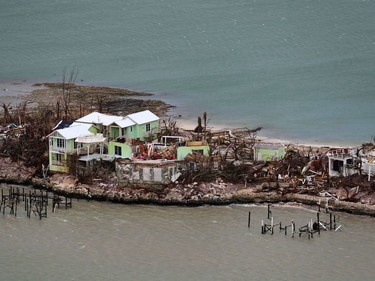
142,117
99,118
97,138
75,130
126,122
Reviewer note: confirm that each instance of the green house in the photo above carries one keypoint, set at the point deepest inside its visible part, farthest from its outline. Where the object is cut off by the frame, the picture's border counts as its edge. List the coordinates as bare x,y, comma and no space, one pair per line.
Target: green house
140,125
87,137
102,122
194,147
119,150
62,144
268,152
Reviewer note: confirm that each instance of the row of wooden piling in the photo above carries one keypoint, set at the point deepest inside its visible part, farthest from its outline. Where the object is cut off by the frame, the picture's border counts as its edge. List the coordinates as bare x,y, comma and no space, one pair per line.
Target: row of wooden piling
311,228
35,202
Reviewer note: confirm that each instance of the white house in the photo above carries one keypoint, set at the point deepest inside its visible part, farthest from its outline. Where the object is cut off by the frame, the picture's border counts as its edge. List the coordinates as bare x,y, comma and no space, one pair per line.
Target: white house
341,162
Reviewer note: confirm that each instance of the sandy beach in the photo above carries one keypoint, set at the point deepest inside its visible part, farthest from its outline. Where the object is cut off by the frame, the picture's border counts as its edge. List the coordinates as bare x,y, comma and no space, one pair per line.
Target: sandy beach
14,92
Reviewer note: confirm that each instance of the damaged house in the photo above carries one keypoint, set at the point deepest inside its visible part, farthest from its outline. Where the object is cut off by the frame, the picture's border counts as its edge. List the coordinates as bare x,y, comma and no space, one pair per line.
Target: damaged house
63,144
147,173
341,162
99,136
140,125
268,152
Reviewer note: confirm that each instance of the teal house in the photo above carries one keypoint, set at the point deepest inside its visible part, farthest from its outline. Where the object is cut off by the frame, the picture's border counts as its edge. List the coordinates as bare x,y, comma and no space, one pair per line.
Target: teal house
268,152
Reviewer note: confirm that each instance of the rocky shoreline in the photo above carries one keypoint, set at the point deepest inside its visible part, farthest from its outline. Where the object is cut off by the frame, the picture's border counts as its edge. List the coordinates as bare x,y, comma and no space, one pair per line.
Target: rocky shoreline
199,193
196,194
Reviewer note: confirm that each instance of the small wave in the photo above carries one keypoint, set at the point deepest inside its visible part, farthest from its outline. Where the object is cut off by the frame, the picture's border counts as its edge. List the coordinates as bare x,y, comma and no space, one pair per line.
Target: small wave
119,222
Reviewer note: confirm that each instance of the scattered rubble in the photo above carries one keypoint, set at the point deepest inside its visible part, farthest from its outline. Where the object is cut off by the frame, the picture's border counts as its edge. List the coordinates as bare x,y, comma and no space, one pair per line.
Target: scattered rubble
229,174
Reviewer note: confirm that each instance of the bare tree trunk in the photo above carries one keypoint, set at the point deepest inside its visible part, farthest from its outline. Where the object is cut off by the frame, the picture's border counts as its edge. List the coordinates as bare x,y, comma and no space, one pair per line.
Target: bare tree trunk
7,117
66,90
58,109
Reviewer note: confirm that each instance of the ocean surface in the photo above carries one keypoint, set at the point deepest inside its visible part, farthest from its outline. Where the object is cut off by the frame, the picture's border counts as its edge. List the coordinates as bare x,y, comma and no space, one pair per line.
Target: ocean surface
303,70
103,241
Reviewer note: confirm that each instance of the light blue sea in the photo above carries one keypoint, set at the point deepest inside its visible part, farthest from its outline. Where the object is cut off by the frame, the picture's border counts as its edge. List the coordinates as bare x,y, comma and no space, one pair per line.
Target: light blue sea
303,70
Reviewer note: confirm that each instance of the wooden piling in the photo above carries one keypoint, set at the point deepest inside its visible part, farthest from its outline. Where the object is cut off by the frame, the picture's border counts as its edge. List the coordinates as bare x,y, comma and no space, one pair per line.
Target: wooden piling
334,221
330,221
269,212
318,222
249,219
293,228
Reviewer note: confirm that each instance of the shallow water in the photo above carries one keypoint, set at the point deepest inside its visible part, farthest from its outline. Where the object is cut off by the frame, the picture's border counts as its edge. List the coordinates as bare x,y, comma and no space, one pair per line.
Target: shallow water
303,69
104,241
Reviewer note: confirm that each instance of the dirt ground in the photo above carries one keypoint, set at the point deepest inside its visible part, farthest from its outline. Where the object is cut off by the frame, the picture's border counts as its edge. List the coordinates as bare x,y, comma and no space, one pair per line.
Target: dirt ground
85,99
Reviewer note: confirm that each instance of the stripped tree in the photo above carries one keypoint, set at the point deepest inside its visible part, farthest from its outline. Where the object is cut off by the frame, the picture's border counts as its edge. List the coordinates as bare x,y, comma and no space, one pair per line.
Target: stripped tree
66,88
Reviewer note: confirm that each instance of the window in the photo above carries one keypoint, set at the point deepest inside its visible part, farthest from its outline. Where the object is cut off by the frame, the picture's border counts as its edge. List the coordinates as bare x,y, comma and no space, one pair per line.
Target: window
197,152
60,143
337,165
57,159
118,150
192,166
148,127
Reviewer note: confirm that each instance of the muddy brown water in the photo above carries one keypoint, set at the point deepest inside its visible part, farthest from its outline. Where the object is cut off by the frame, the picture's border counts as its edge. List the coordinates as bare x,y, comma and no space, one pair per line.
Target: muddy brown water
104,241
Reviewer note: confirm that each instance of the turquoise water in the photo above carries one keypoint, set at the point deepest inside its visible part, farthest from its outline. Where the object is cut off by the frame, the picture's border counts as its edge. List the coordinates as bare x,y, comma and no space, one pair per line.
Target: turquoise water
303,70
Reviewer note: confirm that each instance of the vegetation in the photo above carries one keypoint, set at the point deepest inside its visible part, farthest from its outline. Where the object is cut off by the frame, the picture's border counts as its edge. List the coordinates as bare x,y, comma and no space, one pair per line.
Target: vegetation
33,119
27,142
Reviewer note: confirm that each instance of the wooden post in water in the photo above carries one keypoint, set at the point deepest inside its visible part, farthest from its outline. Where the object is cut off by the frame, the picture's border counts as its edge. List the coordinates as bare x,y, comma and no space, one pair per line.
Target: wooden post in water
334,221
26,202
269,212
293,229
27,207
45,208
47,198
15,211
330,221
248,222
318,222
